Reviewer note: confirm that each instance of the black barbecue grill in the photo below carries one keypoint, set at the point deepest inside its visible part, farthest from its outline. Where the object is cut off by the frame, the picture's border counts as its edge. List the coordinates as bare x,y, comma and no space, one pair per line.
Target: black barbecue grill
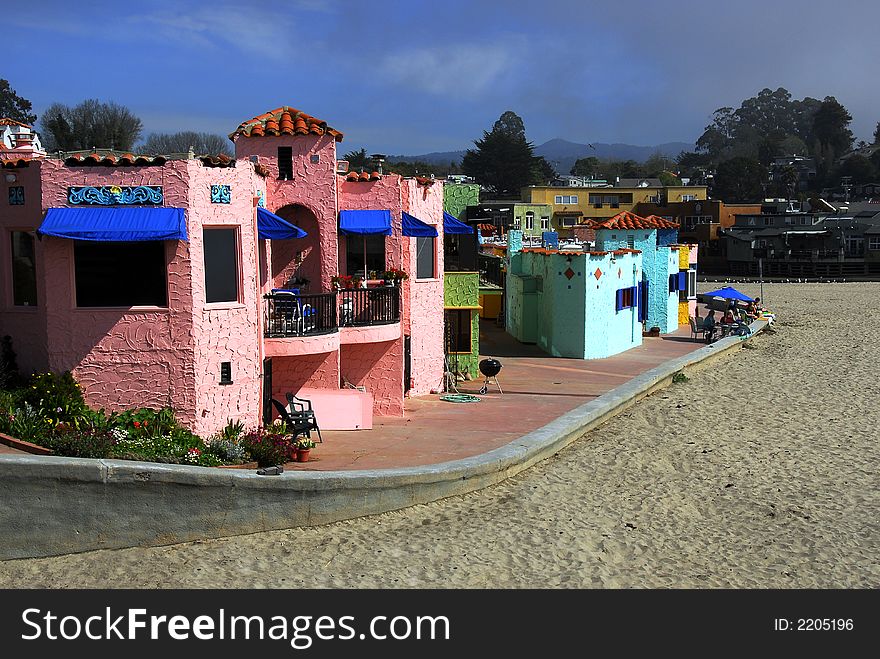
490,368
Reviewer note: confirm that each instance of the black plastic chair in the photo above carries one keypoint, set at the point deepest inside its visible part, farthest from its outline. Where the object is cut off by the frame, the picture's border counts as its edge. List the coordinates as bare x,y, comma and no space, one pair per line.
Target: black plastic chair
301,409
298,425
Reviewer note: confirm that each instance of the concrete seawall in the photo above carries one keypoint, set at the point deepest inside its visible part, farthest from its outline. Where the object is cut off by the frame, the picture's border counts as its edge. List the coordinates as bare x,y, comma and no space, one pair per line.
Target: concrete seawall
51,505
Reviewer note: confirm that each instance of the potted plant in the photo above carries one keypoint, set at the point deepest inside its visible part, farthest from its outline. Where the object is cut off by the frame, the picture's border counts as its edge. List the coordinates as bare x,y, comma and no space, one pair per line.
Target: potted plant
303,447
393,276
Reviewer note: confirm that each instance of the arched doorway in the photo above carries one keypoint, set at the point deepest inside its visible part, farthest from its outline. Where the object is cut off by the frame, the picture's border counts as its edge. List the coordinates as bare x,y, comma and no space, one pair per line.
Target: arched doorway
299,260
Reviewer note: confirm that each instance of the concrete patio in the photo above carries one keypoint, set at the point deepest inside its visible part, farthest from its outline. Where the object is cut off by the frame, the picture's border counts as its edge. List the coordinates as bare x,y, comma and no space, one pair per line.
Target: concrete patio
537,388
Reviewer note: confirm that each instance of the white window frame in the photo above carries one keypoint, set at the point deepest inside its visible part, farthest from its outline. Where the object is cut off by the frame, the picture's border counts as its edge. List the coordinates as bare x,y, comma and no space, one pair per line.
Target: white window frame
874,242
530,221
545,223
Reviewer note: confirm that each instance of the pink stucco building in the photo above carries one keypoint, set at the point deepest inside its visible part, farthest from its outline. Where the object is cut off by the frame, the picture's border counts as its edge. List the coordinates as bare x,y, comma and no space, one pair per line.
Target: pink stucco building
216,307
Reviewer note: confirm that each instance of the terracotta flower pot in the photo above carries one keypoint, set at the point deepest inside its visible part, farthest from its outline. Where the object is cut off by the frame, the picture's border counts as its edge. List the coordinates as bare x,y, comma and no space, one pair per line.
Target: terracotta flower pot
302,454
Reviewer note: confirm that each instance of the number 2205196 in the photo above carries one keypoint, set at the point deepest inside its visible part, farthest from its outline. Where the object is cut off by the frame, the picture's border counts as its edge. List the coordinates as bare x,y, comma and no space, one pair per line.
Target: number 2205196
813,624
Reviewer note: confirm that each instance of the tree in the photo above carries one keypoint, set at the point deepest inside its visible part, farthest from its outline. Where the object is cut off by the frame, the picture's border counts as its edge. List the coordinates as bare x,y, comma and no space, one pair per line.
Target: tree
503,160
858,168
14,106
740,180
586,167
877,134
357,159
91,124
831,128
542,172
182,142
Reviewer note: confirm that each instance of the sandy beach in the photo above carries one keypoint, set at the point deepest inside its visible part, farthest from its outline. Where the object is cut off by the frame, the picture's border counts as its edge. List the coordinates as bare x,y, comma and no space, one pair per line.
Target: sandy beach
760,471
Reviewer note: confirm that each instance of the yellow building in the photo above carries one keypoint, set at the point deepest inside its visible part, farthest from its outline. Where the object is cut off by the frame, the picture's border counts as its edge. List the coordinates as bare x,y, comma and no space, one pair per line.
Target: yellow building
576,205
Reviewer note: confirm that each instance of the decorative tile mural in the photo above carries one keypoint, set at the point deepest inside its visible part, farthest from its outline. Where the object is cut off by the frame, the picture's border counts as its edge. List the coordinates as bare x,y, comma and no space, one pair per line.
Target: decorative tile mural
221,194
114,195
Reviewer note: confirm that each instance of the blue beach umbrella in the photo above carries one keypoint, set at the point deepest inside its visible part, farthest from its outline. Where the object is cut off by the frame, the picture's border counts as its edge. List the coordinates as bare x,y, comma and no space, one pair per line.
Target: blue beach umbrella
728,293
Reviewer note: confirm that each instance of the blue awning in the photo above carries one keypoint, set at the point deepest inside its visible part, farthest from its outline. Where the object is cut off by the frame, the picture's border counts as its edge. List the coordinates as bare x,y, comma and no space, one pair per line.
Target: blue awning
115,224
272,227
452,225
415,228
375,222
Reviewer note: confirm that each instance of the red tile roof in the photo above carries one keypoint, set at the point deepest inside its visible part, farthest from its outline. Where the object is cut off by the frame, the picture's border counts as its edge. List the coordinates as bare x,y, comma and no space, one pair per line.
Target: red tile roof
363,176
6,121
10,164
284,121
109,159
627,220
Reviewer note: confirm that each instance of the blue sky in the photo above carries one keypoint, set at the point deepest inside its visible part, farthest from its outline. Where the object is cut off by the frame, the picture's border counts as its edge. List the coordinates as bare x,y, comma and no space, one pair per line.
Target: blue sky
413,77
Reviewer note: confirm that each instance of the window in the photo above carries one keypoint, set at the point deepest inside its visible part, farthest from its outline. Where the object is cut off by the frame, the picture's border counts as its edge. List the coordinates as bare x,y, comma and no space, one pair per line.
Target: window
690,292
612,200
751,221
569,220
371,246
678,281
566,199
458,331
285,163
688,197
545,223
631,241
768,221
874,242
626,298
221,265
530,221
24,269
425,258
596,200
120,274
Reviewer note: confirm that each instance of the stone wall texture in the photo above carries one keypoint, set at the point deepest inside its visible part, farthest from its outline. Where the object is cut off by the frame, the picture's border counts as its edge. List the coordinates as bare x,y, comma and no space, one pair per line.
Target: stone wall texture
462,289
458,196
25,324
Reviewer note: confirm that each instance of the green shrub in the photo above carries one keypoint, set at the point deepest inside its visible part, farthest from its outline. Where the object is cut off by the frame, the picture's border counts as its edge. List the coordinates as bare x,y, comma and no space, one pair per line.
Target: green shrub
680,377
58,398
27,423
77,443
9,375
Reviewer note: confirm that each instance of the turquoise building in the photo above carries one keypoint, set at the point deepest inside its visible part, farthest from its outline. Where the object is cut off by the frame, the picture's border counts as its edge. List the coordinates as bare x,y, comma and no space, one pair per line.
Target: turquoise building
655,238
582,305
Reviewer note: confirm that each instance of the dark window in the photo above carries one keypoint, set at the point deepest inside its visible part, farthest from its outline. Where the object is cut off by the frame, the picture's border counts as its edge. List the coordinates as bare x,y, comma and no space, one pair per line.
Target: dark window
369,246
24,269
425,258
225,372
285,163
458,331
120,274
626,298
221,265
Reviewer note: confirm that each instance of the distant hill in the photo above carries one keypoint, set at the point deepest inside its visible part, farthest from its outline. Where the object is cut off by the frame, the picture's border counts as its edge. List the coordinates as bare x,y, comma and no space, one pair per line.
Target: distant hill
562,153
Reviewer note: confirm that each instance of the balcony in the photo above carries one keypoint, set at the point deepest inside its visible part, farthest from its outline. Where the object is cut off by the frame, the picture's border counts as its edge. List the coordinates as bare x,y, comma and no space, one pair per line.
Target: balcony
490,270
289,315
363,307
310,324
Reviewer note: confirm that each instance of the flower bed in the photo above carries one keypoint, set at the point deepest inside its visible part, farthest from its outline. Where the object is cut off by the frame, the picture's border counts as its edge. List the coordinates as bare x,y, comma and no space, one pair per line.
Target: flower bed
50,412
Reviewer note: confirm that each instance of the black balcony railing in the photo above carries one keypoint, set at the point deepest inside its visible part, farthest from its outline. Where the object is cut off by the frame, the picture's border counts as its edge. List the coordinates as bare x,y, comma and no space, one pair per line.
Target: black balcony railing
369,306
490,269
300,315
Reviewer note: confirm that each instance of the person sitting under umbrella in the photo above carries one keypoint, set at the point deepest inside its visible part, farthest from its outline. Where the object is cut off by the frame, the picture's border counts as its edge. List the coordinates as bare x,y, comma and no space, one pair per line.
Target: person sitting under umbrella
709,325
